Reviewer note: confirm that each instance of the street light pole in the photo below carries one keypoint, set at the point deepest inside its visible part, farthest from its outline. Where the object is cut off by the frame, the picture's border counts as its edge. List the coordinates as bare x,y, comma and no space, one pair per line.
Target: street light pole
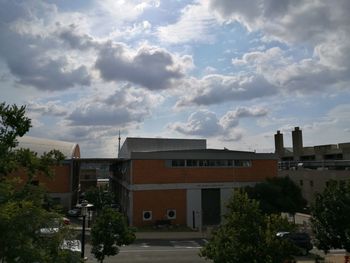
84,211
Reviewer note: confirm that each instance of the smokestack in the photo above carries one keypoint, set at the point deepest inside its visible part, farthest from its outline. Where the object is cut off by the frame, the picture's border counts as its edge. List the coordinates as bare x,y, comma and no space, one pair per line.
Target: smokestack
279,146
297,138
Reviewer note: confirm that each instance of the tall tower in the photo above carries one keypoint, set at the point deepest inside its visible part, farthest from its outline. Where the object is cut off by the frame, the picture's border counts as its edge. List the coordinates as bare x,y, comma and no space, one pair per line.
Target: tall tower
119,144
279,146
297,138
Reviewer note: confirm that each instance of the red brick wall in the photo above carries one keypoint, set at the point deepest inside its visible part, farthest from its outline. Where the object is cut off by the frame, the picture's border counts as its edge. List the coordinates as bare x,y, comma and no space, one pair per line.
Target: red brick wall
155,171
158,201
58,183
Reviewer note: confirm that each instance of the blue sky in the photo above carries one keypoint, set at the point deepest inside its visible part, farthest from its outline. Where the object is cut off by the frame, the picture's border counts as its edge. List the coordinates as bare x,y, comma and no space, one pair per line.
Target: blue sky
230,71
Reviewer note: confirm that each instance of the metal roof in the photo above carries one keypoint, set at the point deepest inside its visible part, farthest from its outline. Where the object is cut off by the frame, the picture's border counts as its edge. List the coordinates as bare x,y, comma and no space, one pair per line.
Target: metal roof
139,144
203,154
40,146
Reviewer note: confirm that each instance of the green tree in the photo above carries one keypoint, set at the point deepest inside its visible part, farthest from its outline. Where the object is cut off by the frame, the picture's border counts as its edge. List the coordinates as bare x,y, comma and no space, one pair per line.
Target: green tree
278,194
100,197
21,214
330,217
247,235
108,233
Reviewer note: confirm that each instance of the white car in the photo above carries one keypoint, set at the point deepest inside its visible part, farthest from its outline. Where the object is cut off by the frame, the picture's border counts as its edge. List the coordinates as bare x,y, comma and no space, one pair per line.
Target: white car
72,245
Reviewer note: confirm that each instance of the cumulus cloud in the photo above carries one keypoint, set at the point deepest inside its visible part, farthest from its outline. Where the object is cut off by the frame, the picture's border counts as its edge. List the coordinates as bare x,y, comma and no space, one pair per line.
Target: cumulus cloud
206,123
194,25
29,52
216,88
321,26
124,107
50,108
150,67
303,76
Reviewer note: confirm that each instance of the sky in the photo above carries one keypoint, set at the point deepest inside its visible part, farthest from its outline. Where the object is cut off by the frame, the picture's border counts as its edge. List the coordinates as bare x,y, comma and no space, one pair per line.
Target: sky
229,71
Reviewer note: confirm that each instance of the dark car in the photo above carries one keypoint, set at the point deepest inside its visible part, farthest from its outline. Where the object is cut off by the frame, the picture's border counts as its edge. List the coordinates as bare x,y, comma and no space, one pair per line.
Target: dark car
75,212
301,240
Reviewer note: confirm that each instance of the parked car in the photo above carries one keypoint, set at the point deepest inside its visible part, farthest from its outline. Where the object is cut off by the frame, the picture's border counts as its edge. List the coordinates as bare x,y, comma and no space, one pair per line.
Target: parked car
75,212
72,245
301,240
53,226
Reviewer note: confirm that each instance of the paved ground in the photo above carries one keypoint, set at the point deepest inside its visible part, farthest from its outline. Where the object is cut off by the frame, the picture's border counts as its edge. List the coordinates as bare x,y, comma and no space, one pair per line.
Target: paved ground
157,250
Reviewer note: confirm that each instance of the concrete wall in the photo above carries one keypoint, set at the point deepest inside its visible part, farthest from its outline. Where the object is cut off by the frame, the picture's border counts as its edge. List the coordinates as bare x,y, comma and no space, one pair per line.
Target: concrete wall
314,181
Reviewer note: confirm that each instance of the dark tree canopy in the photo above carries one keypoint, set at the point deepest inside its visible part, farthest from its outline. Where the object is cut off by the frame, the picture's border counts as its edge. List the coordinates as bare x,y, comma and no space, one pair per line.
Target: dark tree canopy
331,217
278,194
247,235
22,215
108,233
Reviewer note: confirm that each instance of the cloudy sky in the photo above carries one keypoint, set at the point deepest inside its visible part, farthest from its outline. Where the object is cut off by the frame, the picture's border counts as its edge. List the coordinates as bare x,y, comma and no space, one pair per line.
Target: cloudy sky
230,71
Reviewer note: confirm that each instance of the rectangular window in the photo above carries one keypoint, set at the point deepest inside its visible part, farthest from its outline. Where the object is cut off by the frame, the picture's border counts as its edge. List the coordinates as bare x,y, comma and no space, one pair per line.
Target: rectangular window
191,163
178,163
311,183
301,182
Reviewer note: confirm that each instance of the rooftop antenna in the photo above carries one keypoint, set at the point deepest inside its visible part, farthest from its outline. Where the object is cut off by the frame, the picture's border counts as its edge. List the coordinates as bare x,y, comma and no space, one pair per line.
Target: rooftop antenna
119,144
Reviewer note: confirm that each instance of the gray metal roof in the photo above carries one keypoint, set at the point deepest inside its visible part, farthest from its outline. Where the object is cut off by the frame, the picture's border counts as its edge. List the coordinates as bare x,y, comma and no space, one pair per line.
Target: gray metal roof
202,154
39,145
135,144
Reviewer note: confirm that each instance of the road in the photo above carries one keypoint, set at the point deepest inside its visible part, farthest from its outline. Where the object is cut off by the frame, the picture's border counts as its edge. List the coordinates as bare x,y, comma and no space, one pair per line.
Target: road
169,251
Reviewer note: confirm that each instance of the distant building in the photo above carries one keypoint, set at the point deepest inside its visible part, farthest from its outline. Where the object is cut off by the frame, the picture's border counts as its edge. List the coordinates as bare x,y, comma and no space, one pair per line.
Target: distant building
312,167
94,172
298,153
64,185
171,181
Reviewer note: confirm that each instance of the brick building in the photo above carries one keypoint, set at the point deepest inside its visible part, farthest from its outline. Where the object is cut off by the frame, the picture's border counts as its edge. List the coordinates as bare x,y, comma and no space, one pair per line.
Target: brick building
188,187
63,186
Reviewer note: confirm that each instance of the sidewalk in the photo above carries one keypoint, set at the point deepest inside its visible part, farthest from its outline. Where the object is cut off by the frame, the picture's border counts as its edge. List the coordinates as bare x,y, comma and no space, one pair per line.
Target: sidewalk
171,235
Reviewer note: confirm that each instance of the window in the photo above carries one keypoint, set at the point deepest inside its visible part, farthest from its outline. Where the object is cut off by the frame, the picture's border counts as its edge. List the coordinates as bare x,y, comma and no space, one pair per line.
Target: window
311,183
191,162
209,163
177,163
301,182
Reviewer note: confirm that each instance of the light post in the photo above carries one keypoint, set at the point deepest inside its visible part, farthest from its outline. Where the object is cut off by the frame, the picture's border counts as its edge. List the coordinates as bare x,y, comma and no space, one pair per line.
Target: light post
84,211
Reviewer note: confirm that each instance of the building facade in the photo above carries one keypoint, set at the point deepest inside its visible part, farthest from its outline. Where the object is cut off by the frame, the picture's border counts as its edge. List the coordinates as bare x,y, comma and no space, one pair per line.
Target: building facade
311,168
94,172
185,187
63,186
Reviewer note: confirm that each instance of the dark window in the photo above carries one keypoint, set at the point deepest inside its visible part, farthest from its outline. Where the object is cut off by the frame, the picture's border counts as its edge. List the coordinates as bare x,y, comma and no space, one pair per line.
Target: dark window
177,163
191,162
301,182
311,183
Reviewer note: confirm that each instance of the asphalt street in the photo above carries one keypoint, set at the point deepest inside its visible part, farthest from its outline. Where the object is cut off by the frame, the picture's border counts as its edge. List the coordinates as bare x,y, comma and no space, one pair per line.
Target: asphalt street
169,251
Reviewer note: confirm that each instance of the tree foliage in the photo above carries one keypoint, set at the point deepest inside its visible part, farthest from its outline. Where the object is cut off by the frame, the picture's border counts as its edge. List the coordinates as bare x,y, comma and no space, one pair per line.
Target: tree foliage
108,233
278,194
247,235
330,217
21,213
100,197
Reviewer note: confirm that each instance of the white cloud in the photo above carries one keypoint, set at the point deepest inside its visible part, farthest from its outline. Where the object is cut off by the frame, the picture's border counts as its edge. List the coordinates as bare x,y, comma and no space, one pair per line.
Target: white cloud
124,107
150,67
206,123
50,108
216,88
194,25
